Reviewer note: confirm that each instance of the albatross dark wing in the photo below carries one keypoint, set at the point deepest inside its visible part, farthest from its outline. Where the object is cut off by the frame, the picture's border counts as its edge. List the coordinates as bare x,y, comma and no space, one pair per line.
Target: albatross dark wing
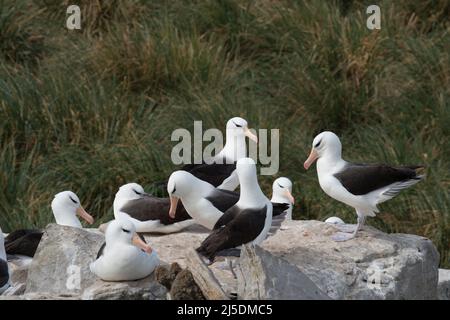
279,208
100,251
213,173
4,274
244,228
24,242
223,199
361,179
153,208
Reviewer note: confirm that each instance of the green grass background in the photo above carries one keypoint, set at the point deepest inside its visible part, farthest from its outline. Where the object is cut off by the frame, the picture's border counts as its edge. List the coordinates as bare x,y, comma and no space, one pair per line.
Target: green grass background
92,109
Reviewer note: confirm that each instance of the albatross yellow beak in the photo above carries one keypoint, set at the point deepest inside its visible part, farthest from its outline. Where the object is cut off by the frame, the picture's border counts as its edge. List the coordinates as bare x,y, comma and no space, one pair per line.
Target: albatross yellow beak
250,135
312,157
138,242
173,206
84,215
289,196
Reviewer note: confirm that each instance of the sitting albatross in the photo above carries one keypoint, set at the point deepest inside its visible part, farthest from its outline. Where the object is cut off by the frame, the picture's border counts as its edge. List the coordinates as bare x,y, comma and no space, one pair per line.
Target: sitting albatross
148,213
121,260
248,221
65,207
4,271
220,169
361,186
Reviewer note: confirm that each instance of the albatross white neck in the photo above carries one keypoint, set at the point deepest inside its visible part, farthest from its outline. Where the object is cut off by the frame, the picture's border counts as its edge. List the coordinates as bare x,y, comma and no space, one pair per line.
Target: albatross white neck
251,194
235,146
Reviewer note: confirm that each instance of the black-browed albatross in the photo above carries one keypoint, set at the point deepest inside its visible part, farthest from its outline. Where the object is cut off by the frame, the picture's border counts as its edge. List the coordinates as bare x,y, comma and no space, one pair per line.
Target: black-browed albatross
219,170
148,213
204,203
248,221
361,186
66,207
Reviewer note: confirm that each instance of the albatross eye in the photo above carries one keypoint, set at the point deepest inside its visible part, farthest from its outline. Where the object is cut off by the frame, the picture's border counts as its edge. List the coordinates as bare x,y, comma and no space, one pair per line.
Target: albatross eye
280,185
73,200
174,189
125,230
137,192
318,144
237,125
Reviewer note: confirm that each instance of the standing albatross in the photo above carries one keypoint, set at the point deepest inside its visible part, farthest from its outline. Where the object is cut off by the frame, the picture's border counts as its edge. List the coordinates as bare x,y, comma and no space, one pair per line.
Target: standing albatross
204,203
361,186
220,169
248,221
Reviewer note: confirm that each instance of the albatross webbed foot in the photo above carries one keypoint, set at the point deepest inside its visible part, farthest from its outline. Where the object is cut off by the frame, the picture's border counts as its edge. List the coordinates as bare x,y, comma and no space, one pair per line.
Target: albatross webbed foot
342,236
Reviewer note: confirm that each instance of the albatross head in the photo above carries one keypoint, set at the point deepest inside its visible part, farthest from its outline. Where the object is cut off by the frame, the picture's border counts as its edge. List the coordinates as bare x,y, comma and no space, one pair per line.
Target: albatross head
180,185
282,189
239,128
66,206
123,231
127,192
130,191
324,144
246,170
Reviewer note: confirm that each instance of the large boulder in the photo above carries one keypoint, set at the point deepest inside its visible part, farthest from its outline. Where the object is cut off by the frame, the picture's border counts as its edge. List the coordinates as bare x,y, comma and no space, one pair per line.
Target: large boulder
374,265
61,263
263,276
60,268
444,284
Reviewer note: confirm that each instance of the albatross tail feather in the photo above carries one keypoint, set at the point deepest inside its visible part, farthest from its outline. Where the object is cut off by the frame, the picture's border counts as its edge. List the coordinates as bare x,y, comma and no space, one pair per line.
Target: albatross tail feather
392,190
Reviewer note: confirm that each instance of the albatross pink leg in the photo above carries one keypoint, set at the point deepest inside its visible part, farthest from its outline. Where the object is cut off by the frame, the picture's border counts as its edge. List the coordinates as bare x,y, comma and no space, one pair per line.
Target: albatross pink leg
341,236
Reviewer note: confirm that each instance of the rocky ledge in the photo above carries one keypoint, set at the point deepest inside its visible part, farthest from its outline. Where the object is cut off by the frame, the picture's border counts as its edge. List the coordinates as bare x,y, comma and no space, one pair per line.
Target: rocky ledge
300,261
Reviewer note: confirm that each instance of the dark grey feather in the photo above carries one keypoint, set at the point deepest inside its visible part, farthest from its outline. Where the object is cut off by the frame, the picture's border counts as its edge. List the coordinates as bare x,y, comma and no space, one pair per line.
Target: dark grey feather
361,179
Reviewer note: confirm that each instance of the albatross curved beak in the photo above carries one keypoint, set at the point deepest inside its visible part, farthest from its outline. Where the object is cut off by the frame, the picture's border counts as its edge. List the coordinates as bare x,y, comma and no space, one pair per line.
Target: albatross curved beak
84,215
138,242
312,157
289,196
173,206
250,135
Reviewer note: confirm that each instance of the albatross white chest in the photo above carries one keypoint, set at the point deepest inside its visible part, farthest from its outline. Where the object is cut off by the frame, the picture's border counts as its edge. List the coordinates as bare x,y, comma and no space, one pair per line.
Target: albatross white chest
120,260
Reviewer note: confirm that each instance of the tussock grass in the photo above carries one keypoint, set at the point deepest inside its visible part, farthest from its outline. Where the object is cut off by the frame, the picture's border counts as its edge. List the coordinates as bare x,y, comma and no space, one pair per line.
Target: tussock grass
90,110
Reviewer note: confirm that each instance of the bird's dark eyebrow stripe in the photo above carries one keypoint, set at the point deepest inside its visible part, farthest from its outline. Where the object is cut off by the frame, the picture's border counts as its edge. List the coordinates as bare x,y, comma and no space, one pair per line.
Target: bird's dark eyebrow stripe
280,185
125,230
74,201
237,125
136,191
317,144
174,188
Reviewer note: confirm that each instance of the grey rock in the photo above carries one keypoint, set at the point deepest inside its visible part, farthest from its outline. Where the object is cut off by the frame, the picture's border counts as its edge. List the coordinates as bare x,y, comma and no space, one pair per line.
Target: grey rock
61,263
375,265
263,276
39,296
144,289
444,284
60,270
15,290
